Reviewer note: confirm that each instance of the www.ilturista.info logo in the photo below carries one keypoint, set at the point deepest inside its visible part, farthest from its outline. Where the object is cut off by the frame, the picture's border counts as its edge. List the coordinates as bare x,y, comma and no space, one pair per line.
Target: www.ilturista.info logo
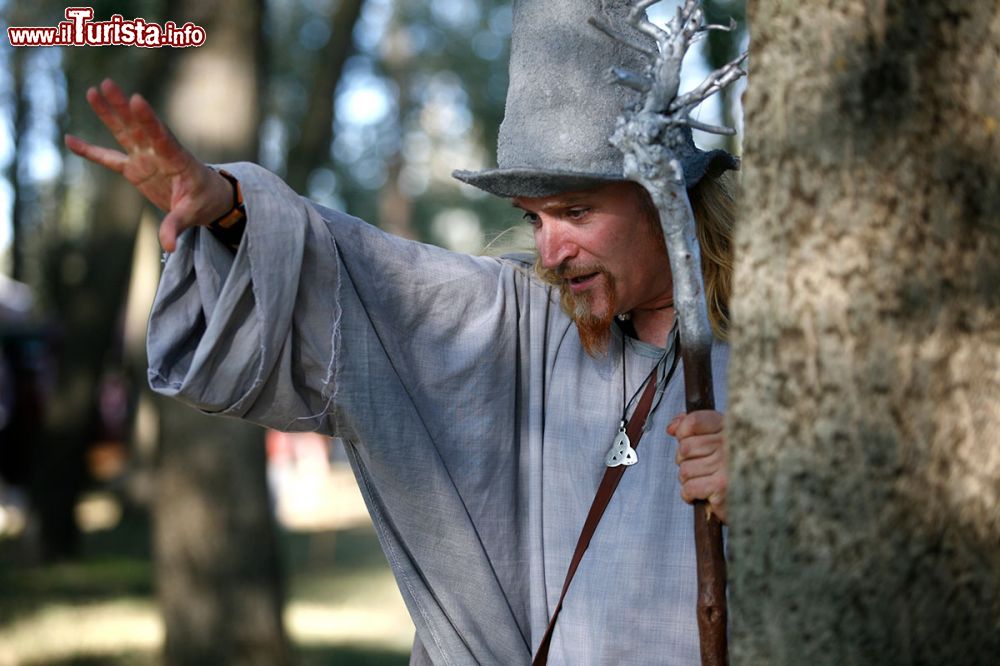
79,29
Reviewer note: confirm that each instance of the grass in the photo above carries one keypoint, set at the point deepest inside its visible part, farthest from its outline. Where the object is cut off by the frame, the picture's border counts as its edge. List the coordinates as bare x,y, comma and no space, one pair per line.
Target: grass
343,605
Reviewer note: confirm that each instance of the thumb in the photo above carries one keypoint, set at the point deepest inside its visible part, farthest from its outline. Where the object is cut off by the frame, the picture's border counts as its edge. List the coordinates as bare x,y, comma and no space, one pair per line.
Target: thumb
672,426
175,222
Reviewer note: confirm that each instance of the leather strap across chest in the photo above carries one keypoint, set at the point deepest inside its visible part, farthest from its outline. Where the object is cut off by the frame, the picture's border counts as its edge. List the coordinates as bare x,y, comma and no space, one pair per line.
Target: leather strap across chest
612,476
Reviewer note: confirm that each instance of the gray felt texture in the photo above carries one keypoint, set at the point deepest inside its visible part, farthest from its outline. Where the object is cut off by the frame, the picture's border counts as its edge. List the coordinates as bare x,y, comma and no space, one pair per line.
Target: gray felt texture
561,110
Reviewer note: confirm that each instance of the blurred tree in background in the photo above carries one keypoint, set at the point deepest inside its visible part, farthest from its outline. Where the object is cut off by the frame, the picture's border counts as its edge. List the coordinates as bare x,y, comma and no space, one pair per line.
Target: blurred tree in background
215,546
74,236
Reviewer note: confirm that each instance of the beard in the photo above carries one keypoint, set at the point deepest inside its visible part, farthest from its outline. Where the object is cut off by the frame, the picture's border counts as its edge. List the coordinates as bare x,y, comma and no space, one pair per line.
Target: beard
594,327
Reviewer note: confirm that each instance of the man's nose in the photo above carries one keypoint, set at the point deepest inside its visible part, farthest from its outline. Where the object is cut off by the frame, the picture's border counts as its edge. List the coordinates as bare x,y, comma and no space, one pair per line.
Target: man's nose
555,244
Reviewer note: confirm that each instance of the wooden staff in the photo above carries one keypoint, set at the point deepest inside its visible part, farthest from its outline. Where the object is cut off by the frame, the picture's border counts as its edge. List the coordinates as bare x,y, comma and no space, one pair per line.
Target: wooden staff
651,137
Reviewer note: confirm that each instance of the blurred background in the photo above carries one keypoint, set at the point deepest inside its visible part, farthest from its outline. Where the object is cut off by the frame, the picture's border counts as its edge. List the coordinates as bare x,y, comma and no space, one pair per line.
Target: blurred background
137,531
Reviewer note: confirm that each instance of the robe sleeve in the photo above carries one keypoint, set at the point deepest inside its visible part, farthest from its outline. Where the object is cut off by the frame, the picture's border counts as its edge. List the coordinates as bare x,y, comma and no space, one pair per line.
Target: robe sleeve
323,322
416,356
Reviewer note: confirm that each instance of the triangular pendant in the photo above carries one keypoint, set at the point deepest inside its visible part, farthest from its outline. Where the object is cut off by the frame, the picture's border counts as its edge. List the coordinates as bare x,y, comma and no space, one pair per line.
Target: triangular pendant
621,452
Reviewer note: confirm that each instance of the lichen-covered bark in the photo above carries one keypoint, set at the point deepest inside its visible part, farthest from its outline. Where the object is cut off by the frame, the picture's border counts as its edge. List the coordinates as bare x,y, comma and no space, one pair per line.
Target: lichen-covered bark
865,383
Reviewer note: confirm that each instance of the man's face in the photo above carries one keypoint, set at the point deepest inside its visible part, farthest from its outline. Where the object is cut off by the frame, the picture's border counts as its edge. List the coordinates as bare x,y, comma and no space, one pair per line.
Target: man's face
604,252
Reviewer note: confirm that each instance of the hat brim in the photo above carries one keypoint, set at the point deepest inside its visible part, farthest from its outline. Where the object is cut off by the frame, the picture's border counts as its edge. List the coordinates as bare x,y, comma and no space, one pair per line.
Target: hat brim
531,183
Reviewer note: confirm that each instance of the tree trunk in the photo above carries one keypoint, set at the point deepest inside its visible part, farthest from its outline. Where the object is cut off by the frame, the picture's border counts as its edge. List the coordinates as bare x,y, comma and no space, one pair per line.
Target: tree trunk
316,126
73,246
85,284
395,206
20,126
217,568
863,423
217,565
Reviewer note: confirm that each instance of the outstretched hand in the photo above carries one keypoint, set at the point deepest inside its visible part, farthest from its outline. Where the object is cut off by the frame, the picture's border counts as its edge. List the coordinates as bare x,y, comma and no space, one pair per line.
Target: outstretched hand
155,163
701,457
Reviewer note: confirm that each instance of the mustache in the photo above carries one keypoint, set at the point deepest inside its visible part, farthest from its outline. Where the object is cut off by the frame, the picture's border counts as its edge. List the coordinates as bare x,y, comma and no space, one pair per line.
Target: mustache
570,271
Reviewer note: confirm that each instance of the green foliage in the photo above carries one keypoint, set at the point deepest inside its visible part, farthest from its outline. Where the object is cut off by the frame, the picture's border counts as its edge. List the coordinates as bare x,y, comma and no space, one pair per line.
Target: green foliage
439,70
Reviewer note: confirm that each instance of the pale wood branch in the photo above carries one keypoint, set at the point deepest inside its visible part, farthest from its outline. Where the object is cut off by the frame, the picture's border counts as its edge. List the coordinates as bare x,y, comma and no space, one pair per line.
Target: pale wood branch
713,83
711,129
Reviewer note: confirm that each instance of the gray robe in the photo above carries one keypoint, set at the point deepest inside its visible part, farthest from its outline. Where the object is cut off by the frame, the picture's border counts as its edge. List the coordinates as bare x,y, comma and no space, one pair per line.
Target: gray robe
476,425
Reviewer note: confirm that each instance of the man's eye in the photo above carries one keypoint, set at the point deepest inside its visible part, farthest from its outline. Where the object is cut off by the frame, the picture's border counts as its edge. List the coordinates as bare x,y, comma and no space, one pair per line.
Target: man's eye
577,213
531,218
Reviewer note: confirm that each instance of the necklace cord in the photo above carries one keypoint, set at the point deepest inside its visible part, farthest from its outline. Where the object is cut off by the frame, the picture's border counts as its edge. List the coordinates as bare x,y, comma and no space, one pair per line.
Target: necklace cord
628,403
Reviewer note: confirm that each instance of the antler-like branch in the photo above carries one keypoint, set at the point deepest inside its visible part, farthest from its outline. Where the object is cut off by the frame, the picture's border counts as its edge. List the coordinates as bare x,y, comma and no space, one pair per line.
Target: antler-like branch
713,83
662,103
716,26
672,42
705,127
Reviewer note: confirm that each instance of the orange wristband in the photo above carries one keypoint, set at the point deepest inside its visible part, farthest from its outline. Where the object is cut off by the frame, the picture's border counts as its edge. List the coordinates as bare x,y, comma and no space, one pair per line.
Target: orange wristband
238,210
229,228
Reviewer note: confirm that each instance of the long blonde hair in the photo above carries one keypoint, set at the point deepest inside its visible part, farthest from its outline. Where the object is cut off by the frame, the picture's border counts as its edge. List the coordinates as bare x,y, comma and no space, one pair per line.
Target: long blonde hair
714,202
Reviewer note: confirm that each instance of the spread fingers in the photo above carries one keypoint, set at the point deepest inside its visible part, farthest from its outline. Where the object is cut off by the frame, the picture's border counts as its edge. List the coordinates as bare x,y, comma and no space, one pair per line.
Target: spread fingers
106,157
158,136
130,129
99,103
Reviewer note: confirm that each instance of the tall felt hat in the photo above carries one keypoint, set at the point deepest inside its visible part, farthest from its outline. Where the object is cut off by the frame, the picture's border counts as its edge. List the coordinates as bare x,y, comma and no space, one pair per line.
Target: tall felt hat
560,108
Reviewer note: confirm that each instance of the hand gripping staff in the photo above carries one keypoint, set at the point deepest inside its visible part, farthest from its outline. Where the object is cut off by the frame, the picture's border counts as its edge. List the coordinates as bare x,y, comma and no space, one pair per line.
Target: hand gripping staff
650,136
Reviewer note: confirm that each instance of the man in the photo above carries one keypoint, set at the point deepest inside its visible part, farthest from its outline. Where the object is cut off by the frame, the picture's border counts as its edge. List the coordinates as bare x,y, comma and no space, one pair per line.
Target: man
477,412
